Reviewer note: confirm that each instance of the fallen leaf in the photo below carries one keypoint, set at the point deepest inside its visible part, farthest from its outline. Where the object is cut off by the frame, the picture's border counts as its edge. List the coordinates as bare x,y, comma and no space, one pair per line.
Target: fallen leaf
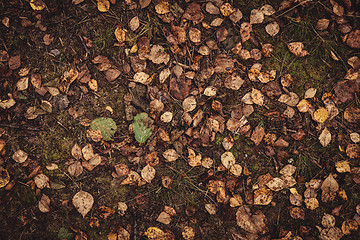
37,5
256,16
167,182
14,62
194,160
297,48
83,202
158,55
254,223
210,208
227,159
142,77
41,181
44,204
321,115
258,135
119,32
162,7
144,3
268,10
257,97
195,35
207,162
245,30
349,226
352,114
166,117
164,218
276,184
290,99
236,169
20,156
322,24
272,28
355,137
236,16
111,74
103,5
325,137
297,213
193,13
226,9
188,233
333,233
4,177
122,208
75,169
353,150
311,203
148,173
189,104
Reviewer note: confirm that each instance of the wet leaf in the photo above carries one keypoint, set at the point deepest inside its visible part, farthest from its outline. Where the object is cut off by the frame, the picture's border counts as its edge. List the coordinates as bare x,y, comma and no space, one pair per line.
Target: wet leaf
83,202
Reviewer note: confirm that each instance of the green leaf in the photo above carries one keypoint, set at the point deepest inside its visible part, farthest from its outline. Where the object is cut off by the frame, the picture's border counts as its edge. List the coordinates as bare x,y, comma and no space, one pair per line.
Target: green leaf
64,234
107,126
142,127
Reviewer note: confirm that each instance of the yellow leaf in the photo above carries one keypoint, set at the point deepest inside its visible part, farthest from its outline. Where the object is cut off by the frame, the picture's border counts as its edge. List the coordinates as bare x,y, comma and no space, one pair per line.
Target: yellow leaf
154,233
342,166
321,115
93,85
103,5
37,5
4,177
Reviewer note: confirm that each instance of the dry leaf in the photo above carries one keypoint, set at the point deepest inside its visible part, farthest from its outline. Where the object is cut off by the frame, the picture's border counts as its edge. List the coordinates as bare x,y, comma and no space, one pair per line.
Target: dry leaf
297,48
320,115
162,7
193,13
276,184
44,204
194,160
325,137
236,16
311,203
228,159
211,8
355,137
148,173
258,135
342,166
210,208
103,5
267,9
236,169
120,34
75,169
226,9
158,55
41,181
207,162
353,39
349,226
272,28
144,3
20,156
254,223
290,99
297,213
245,30
88,152
322,24
303,106
142,77
256,16
310,93
188,233
164,218
122,208
189,104
195,35
37,5
83,202
257,97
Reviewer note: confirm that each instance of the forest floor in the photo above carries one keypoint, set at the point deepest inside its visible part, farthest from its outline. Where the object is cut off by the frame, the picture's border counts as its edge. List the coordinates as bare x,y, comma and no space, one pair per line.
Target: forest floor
179,119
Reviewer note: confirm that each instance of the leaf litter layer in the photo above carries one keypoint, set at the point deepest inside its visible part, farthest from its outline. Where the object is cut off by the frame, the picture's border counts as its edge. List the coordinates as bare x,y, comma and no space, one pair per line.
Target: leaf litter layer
167,120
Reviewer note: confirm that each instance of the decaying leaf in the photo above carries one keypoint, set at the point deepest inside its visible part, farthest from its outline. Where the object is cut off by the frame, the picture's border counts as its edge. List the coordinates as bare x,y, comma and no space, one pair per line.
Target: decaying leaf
256,16
41,181
119,33
297,48
103,5
20,156
254,223
188,233
164,218
189,104
83,202
194,159
272,28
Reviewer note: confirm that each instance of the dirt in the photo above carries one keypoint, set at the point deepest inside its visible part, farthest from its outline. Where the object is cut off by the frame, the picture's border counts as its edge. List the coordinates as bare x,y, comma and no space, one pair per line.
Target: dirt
50,137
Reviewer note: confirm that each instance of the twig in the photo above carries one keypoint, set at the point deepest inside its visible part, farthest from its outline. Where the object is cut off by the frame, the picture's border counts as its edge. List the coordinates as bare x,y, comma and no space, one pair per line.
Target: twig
19,127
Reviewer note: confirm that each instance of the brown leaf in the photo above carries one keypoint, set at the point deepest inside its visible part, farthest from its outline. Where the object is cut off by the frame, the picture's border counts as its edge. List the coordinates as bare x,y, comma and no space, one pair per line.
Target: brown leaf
144,3
272,28
226,9
325,137
180,88
20,156
148,173
322,24
103,5
121,169
297,48
44,204
75,169
212,9
166,182
195,35
258,135
245,30
256,16
352,114
223,63
164,218
83,202
162,7
14,62
221,34
251,222
345,90
193,13
349,226
353,150
158,55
